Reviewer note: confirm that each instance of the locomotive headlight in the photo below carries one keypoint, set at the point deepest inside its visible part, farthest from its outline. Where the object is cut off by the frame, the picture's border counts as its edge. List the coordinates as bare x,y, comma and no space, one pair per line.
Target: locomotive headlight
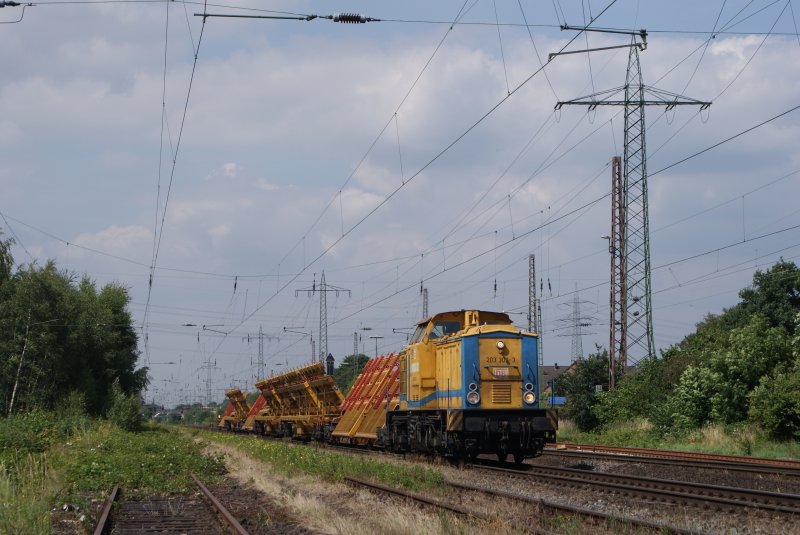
473,387
473,398
528,387
529,398
501,345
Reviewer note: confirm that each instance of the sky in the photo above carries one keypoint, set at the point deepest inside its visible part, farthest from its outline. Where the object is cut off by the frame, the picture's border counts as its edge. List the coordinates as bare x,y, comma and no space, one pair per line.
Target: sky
217,166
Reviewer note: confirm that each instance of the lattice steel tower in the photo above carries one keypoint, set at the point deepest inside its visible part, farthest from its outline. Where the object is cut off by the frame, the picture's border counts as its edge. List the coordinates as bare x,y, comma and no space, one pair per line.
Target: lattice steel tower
636,337
534,306
323,312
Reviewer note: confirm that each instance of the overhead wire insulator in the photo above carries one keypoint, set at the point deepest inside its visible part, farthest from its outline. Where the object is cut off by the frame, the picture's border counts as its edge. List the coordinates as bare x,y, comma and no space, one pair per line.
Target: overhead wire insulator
351,18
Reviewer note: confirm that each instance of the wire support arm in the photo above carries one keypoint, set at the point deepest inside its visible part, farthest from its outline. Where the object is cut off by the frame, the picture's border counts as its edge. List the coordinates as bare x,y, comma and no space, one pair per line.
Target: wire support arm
551,55
344,18
642,34
657,97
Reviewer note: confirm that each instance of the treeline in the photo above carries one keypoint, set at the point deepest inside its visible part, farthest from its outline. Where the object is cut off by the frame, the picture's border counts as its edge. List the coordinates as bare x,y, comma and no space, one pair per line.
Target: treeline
61,338
739,367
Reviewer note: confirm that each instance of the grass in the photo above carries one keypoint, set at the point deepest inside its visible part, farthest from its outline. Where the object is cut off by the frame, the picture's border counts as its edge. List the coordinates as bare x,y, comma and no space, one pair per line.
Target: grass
48,459
291,460
727,440
25,486
154,461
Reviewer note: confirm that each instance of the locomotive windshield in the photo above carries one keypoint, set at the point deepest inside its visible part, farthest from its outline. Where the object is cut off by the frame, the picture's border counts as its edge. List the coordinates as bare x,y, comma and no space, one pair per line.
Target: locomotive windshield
417,334
442,328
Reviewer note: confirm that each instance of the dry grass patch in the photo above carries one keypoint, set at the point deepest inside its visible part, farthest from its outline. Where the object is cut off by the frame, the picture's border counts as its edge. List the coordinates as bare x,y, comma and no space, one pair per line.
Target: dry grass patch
336,508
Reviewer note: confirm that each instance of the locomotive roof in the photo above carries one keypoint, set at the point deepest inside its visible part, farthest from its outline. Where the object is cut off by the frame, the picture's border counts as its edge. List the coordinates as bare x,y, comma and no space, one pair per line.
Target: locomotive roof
462,311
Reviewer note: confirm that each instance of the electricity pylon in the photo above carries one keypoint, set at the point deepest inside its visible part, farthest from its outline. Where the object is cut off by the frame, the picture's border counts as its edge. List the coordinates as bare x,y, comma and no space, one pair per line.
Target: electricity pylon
637,335
534,306
323,310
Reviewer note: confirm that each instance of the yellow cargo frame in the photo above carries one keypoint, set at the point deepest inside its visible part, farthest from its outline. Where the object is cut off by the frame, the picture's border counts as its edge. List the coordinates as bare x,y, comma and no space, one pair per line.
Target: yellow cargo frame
241,408
305,398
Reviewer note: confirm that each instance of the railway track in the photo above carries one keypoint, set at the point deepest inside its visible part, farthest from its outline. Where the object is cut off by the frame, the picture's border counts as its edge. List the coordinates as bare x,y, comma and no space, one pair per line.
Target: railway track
198,515
740,463
542,510
661,490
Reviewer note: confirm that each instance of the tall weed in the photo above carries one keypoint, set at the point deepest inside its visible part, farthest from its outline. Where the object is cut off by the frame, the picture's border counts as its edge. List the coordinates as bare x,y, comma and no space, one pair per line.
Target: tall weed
25,486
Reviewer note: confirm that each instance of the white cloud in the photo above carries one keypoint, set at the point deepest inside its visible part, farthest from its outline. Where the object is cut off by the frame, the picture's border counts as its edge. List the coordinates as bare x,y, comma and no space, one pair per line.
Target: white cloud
126,241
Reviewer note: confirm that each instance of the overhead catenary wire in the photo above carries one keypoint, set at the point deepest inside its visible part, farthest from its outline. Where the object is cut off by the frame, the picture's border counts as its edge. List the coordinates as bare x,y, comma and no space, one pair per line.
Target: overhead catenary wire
157,248
435,158
448,241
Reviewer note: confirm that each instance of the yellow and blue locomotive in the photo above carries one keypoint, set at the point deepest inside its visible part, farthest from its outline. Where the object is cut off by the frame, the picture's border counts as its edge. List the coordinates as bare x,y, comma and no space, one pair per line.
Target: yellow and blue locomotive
468,385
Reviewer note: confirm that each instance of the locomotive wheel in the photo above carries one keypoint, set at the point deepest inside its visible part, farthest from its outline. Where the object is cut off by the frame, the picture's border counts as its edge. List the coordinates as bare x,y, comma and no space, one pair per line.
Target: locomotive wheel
502,456
519,457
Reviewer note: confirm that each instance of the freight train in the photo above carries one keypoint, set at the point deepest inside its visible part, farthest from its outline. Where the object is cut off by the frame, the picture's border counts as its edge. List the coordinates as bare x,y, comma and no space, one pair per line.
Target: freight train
466,384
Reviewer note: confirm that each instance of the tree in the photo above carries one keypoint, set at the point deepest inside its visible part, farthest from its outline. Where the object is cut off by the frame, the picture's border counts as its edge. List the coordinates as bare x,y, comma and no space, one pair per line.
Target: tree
580,389
645,392
6,260
58,335
718,389
775,402
774,294
347,371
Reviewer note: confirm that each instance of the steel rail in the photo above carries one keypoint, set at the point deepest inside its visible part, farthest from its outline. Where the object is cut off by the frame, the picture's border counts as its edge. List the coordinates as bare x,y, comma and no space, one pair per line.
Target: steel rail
686,492
102,524
605,517
419,498
648,452
232,522
168,525
668,461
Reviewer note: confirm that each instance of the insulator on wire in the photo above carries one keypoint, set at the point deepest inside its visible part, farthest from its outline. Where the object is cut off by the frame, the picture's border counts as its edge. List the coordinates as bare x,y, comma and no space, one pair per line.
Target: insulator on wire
349,18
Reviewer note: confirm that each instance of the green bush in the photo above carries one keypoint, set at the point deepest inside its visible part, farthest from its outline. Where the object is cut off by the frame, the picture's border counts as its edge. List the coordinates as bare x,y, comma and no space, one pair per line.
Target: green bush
125,411
775,404
35,431
30,432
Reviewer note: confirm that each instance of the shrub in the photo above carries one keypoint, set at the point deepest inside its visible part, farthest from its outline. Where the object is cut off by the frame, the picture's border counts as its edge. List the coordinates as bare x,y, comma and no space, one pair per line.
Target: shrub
775,404
125,411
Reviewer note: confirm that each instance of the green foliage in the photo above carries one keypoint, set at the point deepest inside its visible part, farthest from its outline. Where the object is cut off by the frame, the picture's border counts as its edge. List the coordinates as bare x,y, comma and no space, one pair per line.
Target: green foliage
775,294
645,393
690,403
151,462
198,414
579,387
6,260
36,431
292,460
347,371
717,390
24,488
775,403
59,335
736,365
125,411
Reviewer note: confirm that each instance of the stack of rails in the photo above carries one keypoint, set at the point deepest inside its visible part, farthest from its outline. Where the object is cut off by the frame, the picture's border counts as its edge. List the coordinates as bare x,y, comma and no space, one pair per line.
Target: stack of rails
374,392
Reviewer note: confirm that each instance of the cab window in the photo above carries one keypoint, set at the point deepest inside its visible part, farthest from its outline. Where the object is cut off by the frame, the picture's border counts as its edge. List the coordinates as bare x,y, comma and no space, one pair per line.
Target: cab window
443,328
417,334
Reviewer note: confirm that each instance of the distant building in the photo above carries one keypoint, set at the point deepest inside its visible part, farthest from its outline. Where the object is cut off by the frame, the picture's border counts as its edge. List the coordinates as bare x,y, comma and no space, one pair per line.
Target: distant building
546,376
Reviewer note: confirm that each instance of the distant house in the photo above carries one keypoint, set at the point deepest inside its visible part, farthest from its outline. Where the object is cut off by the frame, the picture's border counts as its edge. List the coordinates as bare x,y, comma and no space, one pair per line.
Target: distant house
546,376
